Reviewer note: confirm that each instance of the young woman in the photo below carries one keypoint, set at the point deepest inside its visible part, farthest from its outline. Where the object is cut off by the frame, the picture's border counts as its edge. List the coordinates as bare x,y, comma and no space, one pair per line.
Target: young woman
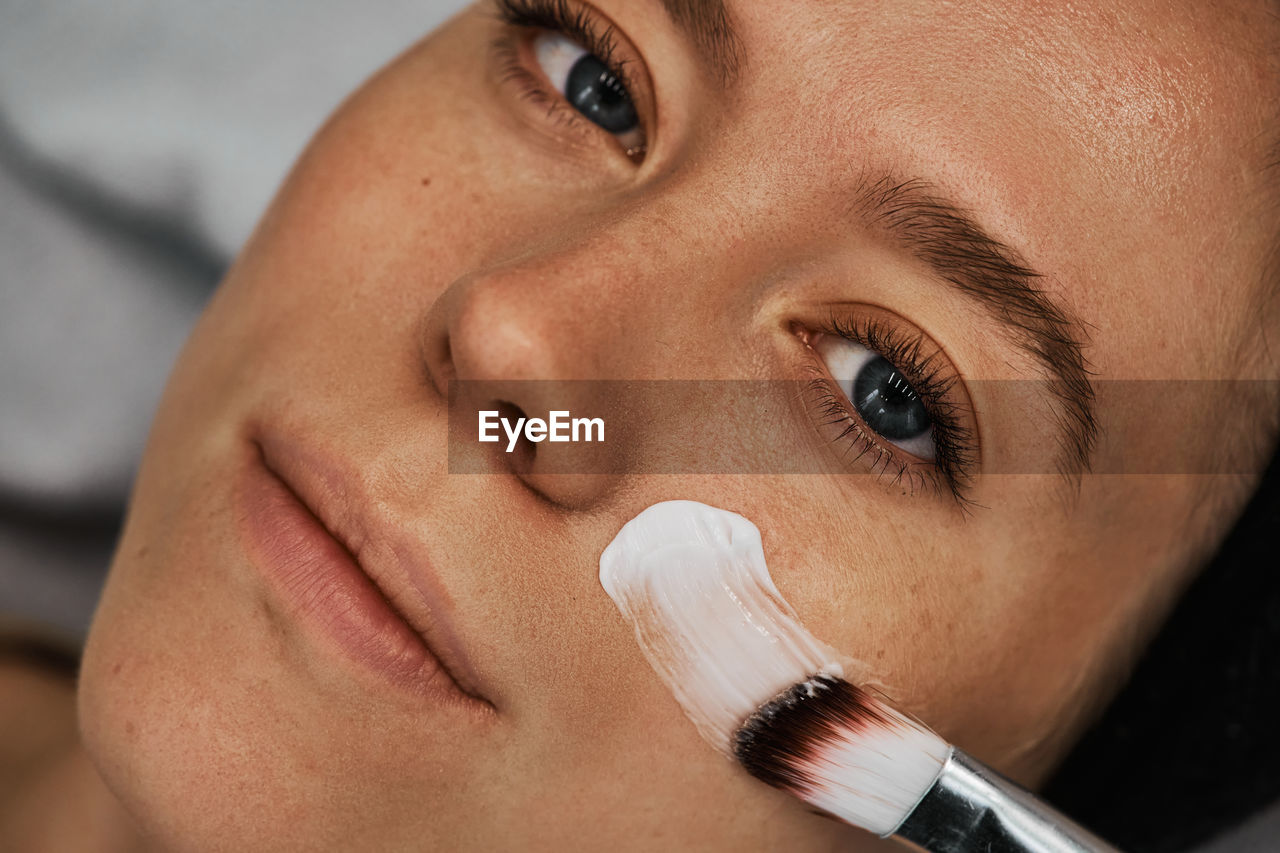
1032,229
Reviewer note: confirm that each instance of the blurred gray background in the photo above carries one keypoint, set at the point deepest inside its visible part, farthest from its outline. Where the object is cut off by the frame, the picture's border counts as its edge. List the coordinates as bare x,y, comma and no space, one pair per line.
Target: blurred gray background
139,142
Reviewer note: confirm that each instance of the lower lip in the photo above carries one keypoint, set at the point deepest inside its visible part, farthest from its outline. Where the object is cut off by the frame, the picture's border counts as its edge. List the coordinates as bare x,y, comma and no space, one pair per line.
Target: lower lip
323,587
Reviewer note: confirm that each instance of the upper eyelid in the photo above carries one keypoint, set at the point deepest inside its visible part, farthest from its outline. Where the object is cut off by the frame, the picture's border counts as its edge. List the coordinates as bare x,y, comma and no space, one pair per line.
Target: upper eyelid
823,373
582,23
953,429
833,402
887,454
596,33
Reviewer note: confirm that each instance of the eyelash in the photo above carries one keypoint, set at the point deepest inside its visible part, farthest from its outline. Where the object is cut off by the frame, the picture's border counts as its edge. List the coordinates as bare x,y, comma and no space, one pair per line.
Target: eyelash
572,21
930,377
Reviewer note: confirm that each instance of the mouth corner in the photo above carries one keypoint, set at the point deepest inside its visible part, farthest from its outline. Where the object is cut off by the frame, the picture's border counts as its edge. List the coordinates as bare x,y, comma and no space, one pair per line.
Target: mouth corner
301,513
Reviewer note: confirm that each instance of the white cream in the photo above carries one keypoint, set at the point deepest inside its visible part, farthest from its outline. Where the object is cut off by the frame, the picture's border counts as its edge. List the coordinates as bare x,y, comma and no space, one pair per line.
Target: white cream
693,582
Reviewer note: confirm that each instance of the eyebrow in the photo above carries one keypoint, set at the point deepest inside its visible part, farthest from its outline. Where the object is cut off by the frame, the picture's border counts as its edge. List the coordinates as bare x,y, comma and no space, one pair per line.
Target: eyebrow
949,240
991,274
708,25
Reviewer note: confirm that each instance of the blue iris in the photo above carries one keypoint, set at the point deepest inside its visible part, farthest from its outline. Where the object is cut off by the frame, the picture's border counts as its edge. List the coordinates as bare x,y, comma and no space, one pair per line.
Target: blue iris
887,402
598,94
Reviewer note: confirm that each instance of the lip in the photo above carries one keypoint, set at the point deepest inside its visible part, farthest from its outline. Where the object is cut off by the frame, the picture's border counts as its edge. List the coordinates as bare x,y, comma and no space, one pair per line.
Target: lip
347,575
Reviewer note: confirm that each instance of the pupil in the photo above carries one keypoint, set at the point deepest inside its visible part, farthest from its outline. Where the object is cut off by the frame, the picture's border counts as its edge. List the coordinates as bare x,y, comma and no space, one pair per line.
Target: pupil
600,96
887,402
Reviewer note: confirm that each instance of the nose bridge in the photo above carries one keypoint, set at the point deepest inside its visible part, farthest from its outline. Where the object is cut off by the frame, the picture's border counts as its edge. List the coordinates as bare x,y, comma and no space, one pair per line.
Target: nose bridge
628,291
533,336
610,275
582,304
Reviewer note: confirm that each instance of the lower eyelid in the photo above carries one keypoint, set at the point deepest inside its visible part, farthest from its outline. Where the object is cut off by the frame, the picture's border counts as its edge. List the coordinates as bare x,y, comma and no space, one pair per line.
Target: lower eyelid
590,32
854,442
519,83
844,364
942,474
510,55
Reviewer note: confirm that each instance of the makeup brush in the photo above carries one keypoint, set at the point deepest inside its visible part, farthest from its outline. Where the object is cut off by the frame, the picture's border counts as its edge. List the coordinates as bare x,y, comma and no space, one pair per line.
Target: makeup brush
842,750
760,688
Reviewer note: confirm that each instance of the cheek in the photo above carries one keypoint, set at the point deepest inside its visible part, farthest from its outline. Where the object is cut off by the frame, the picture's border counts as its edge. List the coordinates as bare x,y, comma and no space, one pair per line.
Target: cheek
405,188
999,639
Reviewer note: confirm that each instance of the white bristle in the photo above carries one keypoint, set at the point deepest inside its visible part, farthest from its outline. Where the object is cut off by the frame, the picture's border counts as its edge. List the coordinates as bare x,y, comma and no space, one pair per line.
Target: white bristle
874,776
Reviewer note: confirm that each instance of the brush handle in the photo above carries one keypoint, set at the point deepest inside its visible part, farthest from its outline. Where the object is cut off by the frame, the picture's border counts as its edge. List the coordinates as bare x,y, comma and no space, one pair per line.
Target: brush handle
972,808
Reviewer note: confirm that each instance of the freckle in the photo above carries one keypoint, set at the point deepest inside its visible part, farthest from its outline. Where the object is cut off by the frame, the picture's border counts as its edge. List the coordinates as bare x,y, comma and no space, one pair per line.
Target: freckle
426,182
115,670
880,655
130,729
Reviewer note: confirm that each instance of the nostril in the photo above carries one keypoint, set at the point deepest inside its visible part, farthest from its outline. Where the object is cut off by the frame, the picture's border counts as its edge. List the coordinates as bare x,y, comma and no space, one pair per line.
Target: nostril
522,455
435,353
447,369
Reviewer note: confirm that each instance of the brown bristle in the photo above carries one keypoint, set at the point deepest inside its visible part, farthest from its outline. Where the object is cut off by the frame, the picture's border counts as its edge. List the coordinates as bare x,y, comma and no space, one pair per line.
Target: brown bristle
777,741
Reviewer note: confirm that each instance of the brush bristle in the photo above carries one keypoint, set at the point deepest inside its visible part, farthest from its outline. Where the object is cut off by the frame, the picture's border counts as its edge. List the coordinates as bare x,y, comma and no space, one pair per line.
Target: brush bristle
842,750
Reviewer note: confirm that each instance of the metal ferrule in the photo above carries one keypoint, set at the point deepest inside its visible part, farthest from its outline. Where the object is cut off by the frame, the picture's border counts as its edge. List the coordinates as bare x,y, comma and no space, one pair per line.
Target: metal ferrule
972,808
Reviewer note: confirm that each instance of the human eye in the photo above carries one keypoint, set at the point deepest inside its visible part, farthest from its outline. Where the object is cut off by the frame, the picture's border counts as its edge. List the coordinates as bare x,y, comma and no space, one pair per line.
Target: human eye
886,397
562,56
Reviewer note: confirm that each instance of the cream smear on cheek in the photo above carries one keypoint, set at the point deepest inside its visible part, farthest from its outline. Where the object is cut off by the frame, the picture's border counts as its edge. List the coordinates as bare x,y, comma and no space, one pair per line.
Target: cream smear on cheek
693,582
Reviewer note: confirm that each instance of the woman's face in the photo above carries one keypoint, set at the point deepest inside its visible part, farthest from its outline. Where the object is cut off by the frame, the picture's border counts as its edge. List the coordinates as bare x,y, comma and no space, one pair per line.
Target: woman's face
1050,196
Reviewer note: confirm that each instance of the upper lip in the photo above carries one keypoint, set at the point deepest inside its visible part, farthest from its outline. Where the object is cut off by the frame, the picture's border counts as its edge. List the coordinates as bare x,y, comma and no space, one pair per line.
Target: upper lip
366,527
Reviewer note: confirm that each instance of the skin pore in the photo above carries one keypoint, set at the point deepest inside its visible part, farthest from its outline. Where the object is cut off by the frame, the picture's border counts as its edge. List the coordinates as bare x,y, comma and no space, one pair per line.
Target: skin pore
447,225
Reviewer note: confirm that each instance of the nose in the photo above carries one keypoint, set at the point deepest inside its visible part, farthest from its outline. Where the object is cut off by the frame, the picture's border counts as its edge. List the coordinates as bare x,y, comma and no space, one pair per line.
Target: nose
528,340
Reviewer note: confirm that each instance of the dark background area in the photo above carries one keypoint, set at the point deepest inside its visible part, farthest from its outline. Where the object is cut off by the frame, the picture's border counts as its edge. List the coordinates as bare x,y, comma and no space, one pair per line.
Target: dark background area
1191,746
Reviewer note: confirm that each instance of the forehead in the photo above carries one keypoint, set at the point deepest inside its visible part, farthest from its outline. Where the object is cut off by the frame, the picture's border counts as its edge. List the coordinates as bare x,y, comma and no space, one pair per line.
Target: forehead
1103,78
1115,143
